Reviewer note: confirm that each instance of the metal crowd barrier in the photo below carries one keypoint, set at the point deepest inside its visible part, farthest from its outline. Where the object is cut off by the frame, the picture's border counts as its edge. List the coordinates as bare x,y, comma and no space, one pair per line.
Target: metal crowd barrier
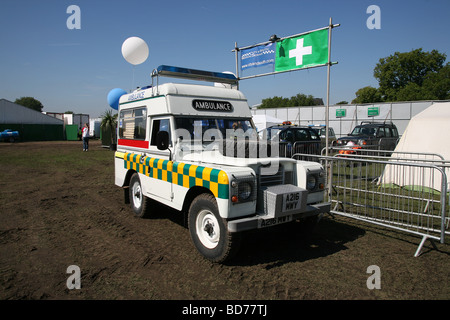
405,191
301,149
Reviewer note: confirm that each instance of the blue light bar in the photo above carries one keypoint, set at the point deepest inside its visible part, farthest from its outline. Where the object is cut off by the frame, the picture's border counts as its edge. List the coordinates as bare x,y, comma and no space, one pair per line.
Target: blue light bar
192,74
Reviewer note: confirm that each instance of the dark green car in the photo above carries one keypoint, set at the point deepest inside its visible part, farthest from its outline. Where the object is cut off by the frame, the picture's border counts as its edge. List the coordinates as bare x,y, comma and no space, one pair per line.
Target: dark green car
373,136
294,139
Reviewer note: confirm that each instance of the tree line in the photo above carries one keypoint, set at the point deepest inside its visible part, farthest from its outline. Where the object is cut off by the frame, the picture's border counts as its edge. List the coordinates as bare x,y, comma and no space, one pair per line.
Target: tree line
297,100
408,76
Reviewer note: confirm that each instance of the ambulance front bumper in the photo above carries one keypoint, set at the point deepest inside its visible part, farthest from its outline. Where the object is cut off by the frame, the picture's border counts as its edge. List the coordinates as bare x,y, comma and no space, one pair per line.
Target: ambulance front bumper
265,221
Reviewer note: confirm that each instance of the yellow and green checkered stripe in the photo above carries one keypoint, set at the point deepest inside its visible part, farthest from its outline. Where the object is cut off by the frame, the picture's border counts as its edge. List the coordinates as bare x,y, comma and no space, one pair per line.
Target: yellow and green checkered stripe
179,173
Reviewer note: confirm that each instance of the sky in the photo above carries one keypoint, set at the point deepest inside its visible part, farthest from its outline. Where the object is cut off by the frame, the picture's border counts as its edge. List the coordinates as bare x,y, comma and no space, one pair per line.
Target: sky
75,69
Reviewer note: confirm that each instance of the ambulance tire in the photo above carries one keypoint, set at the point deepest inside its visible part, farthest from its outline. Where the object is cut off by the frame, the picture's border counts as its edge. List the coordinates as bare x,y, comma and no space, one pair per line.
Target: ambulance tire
139,202
209,231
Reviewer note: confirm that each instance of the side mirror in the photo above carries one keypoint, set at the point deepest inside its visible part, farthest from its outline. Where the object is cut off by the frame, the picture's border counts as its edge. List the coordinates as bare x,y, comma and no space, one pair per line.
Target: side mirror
162,140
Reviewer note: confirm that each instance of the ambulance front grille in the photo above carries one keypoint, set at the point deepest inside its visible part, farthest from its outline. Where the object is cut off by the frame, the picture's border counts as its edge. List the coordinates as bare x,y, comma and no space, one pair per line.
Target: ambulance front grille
271,180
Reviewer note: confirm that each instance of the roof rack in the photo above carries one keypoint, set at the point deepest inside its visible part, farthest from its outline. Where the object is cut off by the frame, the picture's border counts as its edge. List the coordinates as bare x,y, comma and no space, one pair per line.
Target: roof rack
377,122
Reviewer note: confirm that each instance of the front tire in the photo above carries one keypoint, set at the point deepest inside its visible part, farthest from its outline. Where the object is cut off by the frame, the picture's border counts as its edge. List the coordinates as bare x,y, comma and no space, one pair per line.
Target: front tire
209,232
139,202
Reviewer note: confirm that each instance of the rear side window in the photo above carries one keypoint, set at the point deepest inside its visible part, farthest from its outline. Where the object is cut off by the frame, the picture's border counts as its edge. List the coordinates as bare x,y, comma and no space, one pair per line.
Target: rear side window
394,132
133,123
388,132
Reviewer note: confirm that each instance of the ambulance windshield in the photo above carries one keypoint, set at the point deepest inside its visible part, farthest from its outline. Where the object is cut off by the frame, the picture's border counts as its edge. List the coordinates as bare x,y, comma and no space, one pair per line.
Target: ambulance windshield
208,130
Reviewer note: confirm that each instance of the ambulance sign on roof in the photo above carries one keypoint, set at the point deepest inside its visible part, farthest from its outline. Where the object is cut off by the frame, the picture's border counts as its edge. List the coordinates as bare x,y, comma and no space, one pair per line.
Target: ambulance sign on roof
209,105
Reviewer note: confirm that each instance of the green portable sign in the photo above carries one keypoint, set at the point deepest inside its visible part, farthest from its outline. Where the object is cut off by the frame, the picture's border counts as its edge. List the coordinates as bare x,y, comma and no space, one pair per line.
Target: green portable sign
373,112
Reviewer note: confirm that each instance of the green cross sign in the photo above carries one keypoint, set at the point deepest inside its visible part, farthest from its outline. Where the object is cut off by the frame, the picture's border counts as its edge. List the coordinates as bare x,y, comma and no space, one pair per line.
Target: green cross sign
304,51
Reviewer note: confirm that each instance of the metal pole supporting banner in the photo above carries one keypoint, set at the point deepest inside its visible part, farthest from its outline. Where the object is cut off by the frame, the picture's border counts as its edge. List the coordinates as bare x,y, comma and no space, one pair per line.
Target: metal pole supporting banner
280,39
327,111
236,49
279,72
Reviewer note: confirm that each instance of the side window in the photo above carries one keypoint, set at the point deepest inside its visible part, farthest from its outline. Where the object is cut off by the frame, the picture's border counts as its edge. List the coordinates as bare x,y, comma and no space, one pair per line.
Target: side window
159,125
331,132
133,123
303,135
380,132
287,135
394,132
388,132
314,136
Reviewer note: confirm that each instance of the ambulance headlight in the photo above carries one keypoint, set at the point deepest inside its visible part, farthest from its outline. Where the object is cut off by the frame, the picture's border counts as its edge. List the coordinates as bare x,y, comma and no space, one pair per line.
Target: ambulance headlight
311,182
245,191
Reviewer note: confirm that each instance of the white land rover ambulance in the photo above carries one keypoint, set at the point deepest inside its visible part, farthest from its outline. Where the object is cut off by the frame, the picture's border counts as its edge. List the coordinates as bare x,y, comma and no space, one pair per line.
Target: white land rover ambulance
194,148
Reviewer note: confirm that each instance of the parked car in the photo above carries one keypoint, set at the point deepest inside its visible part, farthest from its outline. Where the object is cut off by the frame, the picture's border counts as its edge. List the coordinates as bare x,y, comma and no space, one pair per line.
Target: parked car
321,130
9,135
371,135
293,139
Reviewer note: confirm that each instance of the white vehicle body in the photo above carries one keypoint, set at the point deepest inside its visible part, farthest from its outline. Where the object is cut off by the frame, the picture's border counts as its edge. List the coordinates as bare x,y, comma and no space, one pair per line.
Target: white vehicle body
249,192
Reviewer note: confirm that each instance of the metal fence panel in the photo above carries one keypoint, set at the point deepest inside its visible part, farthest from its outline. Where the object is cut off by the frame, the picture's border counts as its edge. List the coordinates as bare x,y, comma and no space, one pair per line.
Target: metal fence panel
403,191
408,196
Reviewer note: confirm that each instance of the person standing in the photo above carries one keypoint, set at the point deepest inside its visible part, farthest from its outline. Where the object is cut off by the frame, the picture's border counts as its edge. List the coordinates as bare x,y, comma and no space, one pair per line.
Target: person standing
85,137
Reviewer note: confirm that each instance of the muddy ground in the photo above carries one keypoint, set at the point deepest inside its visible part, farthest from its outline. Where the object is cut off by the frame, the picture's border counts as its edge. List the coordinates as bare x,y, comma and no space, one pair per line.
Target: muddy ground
59,207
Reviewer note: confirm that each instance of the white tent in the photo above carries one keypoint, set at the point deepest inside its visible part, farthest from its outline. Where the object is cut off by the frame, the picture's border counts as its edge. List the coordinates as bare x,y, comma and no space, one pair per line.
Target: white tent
263,121
427,133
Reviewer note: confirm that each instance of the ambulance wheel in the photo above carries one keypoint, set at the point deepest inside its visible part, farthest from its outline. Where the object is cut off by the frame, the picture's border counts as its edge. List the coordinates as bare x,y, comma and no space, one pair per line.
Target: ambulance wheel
209,232
139,203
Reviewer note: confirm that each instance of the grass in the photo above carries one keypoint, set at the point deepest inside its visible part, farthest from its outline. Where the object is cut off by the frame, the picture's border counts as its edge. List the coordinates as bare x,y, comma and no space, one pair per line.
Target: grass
60,156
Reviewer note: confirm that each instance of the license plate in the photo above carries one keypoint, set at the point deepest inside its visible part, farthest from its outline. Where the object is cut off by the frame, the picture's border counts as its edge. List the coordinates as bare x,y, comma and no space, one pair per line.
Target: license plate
291,201
263,223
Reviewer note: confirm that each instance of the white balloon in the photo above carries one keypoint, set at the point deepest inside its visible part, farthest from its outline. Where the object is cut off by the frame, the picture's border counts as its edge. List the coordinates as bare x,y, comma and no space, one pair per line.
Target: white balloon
135,50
